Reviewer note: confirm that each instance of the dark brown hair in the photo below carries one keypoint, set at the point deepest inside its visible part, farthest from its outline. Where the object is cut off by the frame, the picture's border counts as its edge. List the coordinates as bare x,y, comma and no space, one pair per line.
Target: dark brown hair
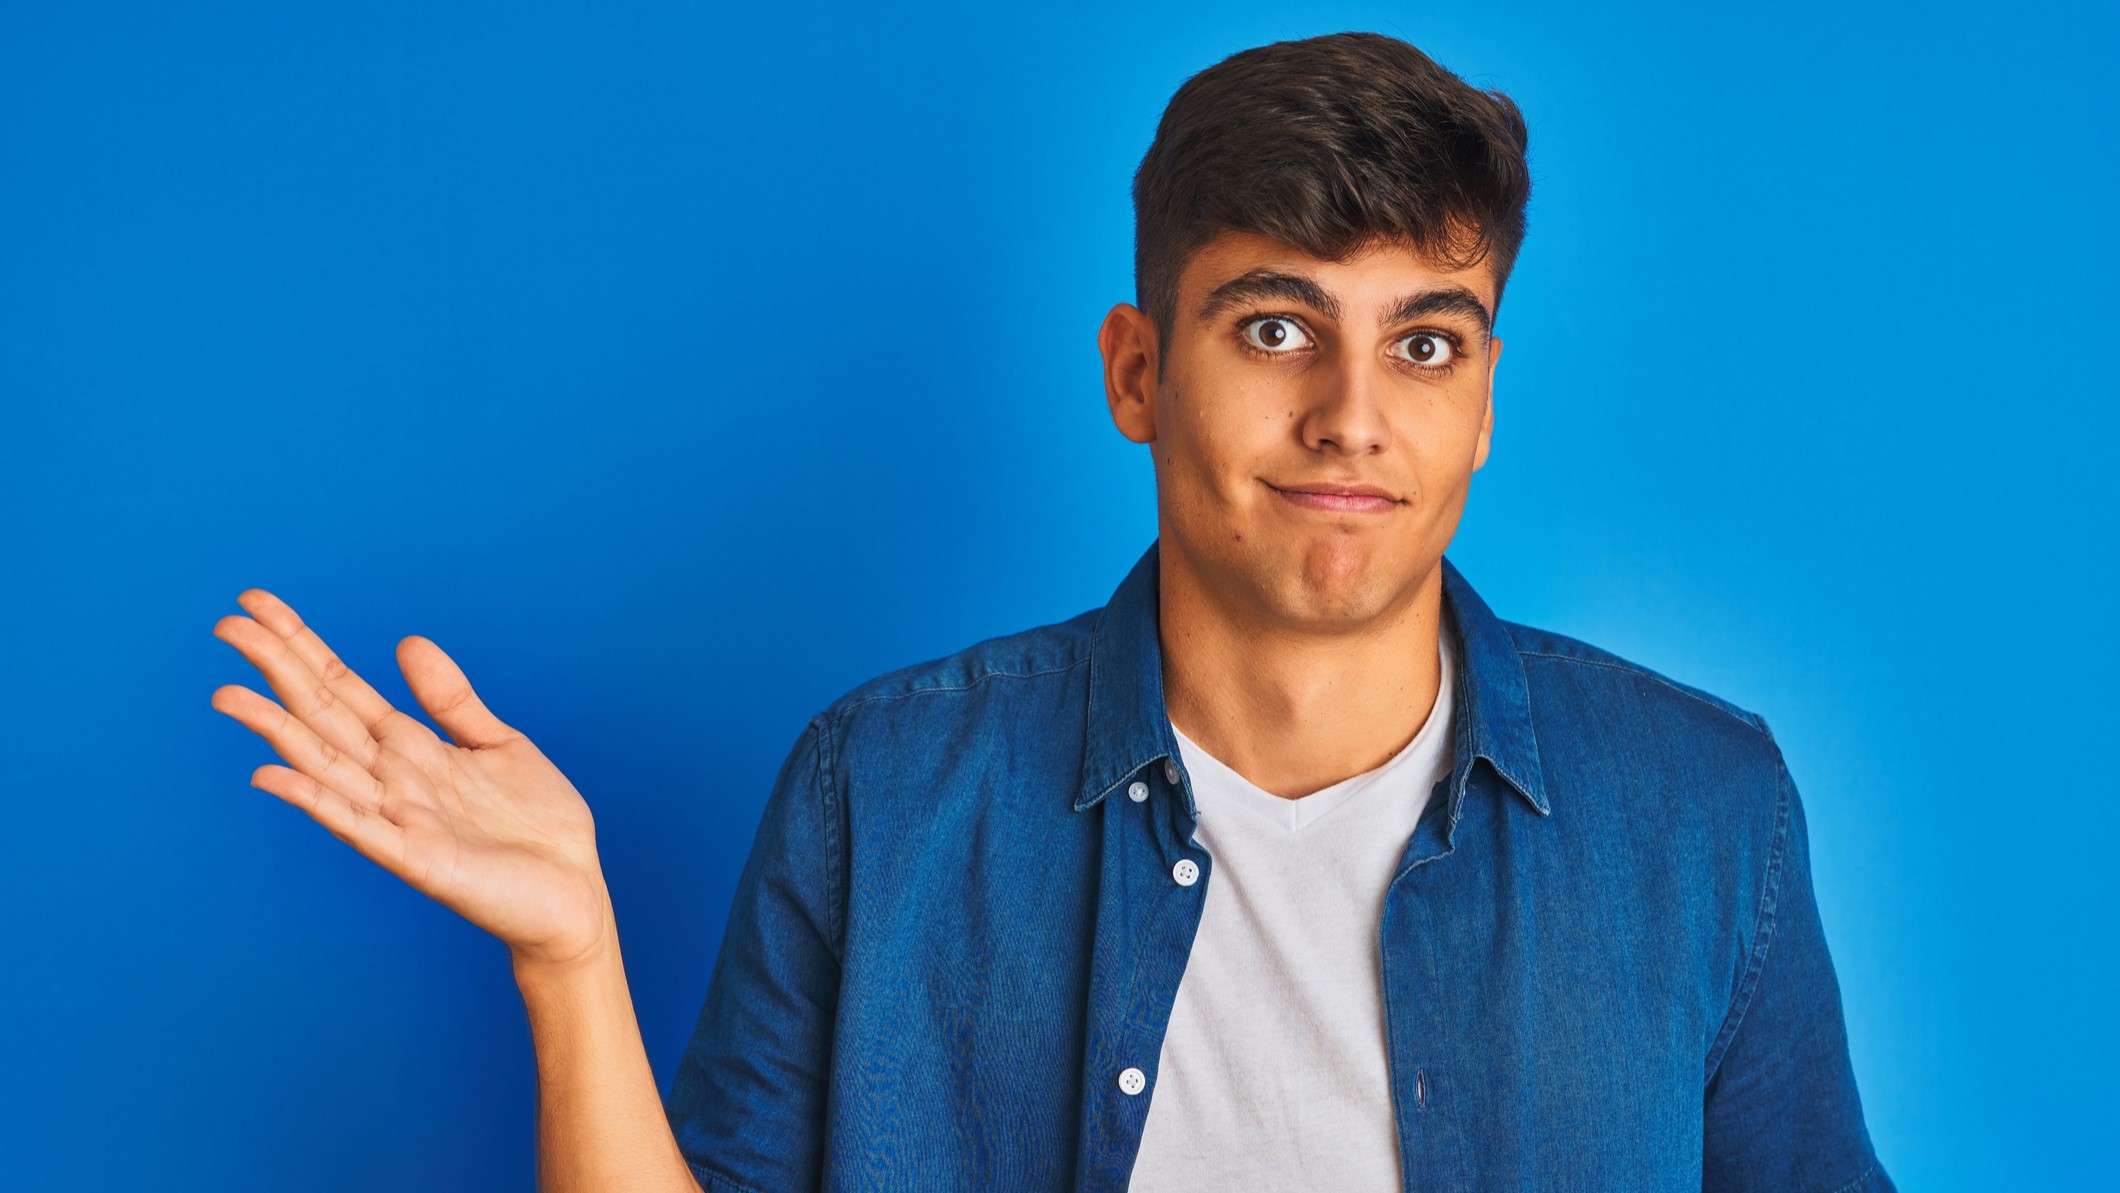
1329,144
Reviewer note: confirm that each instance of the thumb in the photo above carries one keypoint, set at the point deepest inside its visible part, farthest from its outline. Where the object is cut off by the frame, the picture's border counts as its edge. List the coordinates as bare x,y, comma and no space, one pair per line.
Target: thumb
440,687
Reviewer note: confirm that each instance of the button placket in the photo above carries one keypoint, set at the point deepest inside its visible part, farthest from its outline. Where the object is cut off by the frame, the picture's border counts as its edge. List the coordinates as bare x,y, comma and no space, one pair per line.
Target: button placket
1138,968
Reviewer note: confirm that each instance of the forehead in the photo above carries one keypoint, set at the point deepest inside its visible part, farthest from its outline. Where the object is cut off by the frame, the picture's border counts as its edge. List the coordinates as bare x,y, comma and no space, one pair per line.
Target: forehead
1375,276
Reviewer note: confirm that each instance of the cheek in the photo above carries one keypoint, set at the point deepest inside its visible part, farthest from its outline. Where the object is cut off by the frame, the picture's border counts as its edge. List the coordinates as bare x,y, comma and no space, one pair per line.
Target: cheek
1448,422
1436,443
1228,455
1219,445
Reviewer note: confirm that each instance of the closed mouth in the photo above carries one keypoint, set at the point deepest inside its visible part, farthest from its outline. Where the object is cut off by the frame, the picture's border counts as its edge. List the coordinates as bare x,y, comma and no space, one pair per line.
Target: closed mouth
1338,497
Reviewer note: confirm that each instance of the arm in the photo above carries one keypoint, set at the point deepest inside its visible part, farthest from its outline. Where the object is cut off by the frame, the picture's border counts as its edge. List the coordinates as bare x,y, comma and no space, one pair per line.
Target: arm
600,1121
749,1099
487,826
1782,1110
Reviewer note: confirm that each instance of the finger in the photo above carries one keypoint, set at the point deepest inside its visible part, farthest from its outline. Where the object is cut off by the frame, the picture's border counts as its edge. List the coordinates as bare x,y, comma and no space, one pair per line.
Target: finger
302,693
376,837
300,747
276,615
441,688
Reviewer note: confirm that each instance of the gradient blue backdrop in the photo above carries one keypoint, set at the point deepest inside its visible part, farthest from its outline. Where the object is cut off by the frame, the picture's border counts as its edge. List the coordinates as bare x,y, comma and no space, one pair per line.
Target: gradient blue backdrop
677,367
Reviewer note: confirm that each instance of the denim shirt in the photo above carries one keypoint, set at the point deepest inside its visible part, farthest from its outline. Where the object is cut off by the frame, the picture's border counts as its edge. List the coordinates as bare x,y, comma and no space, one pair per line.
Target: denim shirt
1603,967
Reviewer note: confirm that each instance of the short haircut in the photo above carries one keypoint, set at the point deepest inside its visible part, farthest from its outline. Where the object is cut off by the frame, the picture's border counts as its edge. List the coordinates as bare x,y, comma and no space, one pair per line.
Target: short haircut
1330,144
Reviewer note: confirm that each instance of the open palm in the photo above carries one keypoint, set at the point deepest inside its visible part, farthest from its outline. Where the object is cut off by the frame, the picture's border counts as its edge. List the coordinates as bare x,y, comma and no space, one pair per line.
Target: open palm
484,824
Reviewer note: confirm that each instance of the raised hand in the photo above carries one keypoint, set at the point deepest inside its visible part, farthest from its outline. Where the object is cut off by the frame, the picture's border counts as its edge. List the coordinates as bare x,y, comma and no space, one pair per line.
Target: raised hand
487,825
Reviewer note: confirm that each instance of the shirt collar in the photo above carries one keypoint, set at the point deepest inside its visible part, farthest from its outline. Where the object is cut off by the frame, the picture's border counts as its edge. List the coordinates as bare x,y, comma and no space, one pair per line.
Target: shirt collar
1129,729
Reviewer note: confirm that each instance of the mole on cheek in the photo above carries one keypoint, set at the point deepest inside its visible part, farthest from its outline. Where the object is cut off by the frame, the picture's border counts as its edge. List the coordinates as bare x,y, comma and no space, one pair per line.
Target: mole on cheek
1240,536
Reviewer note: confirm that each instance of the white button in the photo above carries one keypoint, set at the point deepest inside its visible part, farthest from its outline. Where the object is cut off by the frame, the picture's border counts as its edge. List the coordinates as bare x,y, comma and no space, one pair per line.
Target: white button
1186,872
1132,1082
1137,791
1170,770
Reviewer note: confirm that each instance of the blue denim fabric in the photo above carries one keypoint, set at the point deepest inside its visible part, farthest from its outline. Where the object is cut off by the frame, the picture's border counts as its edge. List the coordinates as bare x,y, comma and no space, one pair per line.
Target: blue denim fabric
1603,968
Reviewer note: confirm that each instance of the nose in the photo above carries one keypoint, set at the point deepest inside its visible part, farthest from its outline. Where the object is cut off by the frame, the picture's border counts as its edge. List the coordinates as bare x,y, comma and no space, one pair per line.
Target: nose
1345,415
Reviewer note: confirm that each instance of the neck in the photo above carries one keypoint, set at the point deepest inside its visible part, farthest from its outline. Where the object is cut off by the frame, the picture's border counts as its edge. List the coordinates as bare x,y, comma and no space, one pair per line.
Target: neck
1290,708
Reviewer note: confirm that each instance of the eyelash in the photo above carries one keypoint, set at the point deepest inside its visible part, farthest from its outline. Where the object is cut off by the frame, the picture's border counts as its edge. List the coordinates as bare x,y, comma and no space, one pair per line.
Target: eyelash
1457,346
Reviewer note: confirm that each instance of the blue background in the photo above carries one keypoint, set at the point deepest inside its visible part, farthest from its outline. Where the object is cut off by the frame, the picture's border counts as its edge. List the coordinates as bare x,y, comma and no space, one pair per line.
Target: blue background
677,367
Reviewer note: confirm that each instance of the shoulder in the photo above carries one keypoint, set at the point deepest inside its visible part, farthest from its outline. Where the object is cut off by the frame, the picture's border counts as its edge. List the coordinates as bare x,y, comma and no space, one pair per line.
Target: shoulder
1679,799
1553,660
1039,653
1616,735
942,741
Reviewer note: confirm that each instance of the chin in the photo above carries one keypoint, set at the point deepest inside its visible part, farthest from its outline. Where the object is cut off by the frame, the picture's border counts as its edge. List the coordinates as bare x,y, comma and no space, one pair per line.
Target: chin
1320,576
1325,583
1343,606
1343,578
1338,563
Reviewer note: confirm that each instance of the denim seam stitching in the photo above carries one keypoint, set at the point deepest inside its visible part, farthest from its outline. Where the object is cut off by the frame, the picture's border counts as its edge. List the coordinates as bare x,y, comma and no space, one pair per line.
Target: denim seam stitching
708,1178
1763,930
1749,720
1859,1182
832,809
964,687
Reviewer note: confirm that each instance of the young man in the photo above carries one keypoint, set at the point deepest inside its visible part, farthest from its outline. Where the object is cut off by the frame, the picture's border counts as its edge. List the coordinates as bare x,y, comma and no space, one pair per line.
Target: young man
1292,867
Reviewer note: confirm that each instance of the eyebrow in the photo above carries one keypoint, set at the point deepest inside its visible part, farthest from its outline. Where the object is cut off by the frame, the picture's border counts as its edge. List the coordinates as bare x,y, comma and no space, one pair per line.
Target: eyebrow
1268,283
1450,300
1294,287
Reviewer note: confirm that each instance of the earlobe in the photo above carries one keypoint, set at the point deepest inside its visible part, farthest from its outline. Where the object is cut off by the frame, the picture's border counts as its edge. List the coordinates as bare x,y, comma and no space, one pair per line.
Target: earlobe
1127,341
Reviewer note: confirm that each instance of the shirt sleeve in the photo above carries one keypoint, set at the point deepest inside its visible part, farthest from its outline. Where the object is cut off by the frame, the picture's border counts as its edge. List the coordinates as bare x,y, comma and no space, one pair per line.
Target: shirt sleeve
748,1101
1782,1111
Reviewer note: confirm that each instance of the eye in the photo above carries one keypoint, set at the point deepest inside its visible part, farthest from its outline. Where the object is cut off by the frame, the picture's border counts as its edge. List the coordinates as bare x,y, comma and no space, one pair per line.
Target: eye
1426,348
1276,333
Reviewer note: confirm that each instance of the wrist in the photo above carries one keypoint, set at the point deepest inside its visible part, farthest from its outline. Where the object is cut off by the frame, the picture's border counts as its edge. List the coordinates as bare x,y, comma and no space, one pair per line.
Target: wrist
584,955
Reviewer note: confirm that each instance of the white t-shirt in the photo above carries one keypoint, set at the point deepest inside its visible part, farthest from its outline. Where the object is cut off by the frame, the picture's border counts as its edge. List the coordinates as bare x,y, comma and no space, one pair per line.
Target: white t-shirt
1273,1073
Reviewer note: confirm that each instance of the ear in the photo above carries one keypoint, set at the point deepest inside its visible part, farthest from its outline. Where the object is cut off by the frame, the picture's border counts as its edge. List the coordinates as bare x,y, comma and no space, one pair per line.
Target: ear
1128,341
1494,357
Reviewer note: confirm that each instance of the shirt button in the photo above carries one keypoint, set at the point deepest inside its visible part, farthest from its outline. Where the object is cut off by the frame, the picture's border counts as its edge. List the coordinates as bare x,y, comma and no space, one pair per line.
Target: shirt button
1187,872
1137,791
1170,770
1132,1081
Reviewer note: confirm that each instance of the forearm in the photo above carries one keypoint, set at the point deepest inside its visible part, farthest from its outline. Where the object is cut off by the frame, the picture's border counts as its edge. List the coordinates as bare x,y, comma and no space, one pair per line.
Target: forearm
600,1118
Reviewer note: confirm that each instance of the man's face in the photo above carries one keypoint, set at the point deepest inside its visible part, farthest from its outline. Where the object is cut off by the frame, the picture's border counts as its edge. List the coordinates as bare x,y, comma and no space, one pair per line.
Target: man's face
1315,425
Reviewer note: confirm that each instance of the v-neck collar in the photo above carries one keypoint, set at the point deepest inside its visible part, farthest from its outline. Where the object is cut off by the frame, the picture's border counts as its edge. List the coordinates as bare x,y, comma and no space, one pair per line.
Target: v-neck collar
1299,813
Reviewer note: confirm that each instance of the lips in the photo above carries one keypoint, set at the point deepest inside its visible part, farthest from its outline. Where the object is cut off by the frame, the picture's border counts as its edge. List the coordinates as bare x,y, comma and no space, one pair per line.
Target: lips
1337,498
